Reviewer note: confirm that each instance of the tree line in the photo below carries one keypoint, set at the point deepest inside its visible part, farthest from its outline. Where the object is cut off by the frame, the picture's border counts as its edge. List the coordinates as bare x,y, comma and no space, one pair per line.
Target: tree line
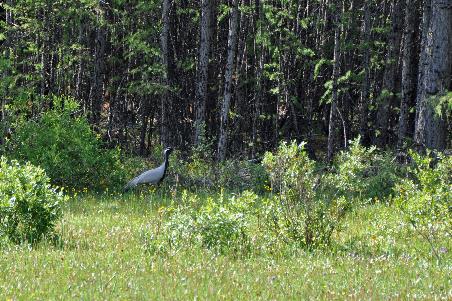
233,78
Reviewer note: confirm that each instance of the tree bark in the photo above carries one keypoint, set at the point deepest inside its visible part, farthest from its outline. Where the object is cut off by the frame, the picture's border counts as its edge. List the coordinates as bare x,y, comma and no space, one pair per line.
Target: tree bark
5,73
144,124
364,97
332,120
232,45
202,71
166,101
259,56
388,90
435,80
409,69
46,55
96,91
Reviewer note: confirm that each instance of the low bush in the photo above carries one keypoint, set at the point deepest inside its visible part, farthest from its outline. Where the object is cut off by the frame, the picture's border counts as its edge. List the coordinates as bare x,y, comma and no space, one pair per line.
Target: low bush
297,213
425,196
29,206
219,225
196,172
242,175
66,147
201,174
361,173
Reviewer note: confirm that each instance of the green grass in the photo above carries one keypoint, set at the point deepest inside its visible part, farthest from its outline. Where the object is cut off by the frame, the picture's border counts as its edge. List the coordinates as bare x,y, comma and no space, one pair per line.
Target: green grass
100,254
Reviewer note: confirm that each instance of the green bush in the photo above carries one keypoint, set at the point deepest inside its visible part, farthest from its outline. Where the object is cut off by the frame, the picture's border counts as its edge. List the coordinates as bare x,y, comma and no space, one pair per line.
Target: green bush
220,225
68,150
296,212
362,174
232,175
29,206
225,227
237,175
425,196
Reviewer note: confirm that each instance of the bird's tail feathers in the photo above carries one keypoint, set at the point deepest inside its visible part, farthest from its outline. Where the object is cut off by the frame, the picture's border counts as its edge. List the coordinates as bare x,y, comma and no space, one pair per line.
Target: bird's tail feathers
132,183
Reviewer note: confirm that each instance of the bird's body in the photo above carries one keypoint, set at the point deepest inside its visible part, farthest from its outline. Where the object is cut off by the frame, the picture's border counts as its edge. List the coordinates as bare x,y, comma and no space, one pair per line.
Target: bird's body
153,176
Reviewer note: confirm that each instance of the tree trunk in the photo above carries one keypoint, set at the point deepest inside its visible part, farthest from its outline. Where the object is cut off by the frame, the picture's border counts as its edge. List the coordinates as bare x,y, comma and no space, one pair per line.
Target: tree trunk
365,89
431,127
144,124
426,16
96,91
259,54
232,45
46,55
202,71
81,64
5,73
409,69
166,101
333,109
388,90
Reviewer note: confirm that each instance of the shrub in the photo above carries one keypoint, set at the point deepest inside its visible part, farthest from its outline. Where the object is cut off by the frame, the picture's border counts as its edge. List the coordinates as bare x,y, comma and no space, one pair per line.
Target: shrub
198,172
296,213
29,206
425,196
68,150
211,176
362,174
221,226
242,175
222,229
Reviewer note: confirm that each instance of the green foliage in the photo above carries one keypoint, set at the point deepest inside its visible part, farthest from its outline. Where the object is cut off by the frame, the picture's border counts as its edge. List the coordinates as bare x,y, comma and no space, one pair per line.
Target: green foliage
344,85
297,213
68,150
363,174
425,197
242,175
221,226
197,172
319,65
203,149
201,173
29,206
443,105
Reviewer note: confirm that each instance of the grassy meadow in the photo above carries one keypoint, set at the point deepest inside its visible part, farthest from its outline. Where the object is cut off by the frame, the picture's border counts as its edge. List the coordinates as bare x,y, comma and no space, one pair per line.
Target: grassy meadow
99,253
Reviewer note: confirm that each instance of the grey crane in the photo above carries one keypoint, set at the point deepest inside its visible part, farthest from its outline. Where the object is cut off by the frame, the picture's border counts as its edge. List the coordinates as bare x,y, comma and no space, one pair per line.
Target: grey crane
153,176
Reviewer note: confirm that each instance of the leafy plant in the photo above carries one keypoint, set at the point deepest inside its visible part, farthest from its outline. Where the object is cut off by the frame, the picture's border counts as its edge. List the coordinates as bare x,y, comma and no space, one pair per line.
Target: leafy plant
425,197
68,150
194,173
221,226
242,175
296,213
361,173
29,206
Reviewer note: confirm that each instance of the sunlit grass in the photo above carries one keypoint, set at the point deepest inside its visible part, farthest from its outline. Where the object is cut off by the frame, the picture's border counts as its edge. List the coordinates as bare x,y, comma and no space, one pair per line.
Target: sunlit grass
99,253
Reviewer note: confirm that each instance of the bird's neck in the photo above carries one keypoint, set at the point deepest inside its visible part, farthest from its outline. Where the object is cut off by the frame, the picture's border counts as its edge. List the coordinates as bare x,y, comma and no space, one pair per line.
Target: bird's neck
165,163
166,159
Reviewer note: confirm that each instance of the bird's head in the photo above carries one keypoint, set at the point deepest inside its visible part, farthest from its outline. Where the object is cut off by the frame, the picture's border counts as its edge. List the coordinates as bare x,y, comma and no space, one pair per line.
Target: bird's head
168,151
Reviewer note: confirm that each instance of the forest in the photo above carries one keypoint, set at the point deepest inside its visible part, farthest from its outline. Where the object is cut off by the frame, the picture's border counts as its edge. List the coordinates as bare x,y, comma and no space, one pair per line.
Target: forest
225,149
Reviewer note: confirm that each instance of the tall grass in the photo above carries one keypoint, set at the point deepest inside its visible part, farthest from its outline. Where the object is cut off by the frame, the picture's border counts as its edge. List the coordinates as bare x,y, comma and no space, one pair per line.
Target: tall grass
100,254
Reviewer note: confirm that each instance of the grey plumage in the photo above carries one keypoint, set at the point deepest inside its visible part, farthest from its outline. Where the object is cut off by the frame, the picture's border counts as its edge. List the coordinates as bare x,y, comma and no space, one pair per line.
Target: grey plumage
153,176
